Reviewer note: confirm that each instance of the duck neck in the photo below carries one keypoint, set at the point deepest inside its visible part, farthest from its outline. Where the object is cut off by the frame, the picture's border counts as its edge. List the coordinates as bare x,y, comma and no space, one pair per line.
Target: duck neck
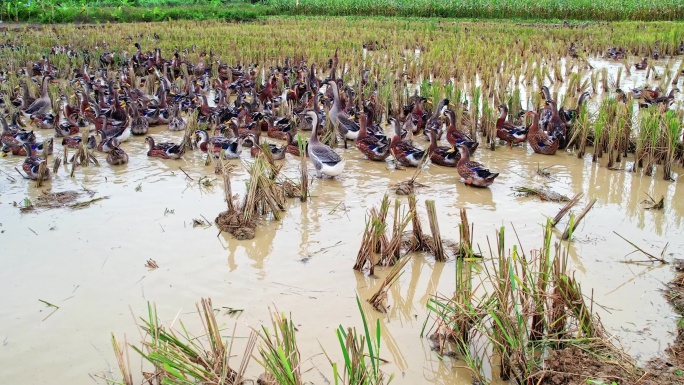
362,127
24,86
44,91
222,97
433,142
581,101
316,105
397,133
314,131
535,125
101,99
162,98
554,109
3,123
452,121
336,96
502,116
437,111
15,119
204,137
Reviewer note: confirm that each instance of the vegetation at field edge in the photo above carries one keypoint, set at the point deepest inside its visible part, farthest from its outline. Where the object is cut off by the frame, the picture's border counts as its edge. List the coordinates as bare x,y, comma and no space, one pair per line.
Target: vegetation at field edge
69,11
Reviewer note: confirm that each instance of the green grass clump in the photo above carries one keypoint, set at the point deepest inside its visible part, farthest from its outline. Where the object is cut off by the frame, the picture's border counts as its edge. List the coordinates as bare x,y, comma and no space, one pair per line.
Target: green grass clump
361,353
279,353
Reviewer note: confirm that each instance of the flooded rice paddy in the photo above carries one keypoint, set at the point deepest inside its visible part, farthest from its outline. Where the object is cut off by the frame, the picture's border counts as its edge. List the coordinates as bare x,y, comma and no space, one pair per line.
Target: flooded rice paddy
90,262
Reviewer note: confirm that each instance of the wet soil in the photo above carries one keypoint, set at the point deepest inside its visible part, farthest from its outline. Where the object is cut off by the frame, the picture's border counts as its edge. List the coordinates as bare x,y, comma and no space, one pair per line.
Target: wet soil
574,366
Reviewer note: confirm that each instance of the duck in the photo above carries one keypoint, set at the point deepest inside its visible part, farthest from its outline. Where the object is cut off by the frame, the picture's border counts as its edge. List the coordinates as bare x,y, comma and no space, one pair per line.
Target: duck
455,136
220,145
176,123
621,96
642,65
42,105
415,110
45,122
667,100
442,155
406,154
305,124
64,127
617,53
347,128
371,146
16,123
473,173
139,125
507,131
556,127
277,153
164,150
106,143
75,141
117,156
651,94
278,128
539,140
546,112
409,129
325,160
7,132
37,149
570,116
26,97
374,129
293,147
31,165
71,113
17,139
119,130
434,123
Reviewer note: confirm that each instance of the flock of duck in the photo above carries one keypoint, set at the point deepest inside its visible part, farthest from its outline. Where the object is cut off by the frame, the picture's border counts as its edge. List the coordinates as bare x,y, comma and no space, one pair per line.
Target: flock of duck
113,107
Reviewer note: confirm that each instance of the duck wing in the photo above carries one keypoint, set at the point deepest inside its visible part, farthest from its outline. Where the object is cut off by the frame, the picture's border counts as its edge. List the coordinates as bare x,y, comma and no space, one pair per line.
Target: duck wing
349,124
374,144
166,146
544,140
480,170
37,106
324,154
447,153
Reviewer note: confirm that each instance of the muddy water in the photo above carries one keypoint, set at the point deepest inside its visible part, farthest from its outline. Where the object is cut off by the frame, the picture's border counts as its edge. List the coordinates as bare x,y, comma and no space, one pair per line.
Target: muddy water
90,262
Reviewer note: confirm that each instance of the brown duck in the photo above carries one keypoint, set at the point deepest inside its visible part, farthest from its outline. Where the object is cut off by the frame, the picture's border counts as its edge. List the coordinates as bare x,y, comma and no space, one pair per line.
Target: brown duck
540,142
